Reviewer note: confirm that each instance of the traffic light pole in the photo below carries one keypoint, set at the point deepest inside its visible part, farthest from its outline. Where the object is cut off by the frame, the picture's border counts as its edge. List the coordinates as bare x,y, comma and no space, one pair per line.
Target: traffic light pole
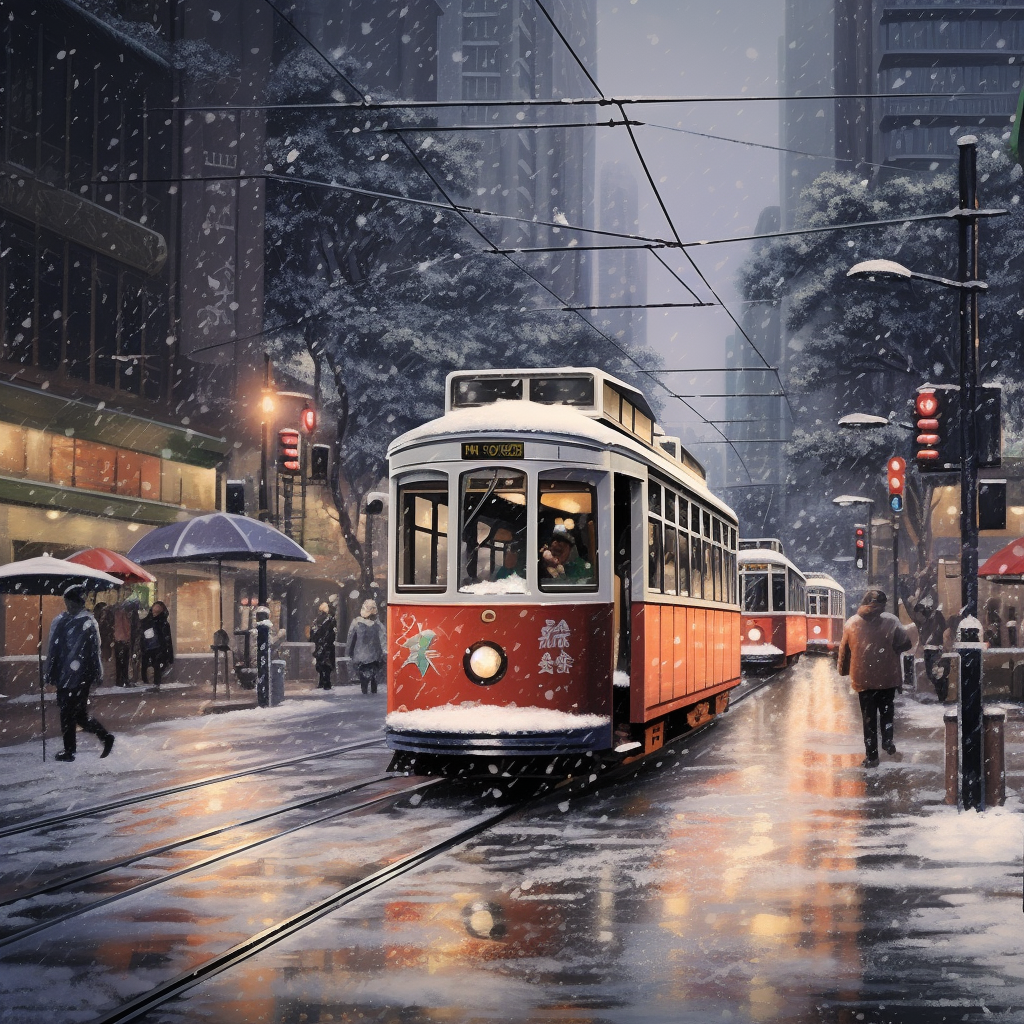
896,564
263,509
969,719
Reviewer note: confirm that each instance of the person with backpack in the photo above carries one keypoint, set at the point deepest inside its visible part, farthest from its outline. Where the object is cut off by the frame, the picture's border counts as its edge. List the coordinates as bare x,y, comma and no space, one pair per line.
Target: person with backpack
73,666
366,647
155,641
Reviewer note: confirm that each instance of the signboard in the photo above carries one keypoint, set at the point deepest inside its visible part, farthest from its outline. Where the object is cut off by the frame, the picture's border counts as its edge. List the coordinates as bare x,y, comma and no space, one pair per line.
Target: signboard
492,449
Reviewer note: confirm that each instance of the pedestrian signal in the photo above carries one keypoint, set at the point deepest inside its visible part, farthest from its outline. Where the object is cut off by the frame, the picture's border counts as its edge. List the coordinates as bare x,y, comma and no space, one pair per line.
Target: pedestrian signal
896,472
288,451
319,462
234,497
860,547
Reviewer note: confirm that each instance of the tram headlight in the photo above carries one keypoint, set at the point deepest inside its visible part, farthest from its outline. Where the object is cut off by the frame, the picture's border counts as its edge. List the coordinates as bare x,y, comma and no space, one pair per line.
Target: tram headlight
754,634
485,663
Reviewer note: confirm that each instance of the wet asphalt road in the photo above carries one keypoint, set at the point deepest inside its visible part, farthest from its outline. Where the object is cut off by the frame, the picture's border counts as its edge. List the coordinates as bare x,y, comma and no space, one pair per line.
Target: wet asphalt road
756,873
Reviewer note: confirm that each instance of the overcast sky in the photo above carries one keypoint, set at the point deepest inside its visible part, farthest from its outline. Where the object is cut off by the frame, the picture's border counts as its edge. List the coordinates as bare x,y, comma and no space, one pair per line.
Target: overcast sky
712,189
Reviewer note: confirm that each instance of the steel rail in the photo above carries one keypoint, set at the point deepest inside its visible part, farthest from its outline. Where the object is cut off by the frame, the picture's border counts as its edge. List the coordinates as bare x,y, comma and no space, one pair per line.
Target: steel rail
198,837
225,961
113,805
24,933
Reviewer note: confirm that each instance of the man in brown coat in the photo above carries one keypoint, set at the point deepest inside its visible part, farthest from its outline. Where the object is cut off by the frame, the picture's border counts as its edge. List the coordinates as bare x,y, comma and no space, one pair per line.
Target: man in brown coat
869,654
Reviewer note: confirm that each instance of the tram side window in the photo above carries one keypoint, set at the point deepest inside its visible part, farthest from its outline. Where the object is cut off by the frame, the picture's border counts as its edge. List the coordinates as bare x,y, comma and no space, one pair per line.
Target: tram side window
655,555
797,600
779,590
423,535
696,565
492,532
567,528
755,591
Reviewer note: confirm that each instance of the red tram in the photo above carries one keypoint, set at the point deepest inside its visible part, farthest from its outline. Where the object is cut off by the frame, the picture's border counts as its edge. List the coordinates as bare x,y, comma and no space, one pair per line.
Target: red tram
774,627
826,613
562,581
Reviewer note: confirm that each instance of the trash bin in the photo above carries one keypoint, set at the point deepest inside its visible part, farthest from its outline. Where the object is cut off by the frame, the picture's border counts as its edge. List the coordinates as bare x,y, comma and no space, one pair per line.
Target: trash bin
277,667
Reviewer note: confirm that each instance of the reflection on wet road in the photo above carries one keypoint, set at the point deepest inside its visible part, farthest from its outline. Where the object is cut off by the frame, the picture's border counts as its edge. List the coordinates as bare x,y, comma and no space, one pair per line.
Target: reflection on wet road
757,873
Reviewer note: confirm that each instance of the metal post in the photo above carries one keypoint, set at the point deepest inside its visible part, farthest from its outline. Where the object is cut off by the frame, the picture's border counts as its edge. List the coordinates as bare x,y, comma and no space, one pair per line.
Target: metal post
263,511
896,564
263,656
971,736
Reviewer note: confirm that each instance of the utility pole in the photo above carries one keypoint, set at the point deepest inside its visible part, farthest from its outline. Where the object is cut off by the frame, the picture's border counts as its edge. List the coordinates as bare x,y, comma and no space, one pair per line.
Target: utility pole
263,511
970,726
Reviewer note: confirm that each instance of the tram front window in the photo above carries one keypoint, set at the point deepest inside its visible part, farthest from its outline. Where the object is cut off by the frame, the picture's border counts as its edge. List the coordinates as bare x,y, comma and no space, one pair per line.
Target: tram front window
423,535
567,528
755,591
492,532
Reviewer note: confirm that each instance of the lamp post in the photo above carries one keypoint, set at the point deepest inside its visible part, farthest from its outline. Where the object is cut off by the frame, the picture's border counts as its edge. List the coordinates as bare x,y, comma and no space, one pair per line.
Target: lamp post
967,284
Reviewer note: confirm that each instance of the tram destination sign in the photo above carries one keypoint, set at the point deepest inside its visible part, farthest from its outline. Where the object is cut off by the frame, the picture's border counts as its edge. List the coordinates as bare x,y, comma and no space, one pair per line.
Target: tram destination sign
492,449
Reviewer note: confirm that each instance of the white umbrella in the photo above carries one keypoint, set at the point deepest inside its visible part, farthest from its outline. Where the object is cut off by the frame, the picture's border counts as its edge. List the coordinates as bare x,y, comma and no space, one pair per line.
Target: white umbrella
48,576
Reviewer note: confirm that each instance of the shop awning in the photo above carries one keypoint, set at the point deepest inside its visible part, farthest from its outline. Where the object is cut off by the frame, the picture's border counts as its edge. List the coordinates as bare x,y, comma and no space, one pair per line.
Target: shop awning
1006,565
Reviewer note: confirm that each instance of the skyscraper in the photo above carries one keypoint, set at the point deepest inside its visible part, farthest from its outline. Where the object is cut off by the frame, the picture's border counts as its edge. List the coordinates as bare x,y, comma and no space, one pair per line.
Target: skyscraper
621,274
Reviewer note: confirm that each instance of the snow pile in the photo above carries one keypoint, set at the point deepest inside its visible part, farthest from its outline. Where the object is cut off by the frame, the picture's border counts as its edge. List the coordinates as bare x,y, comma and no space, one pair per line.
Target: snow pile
491,719
759,651
509,585
620,679
949,837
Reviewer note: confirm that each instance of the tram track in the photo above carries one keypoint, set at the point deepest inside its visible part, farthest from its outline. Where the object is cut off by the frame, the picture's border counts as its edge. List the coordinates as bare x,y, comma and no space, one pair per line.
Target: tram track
36,824
222,855
279,931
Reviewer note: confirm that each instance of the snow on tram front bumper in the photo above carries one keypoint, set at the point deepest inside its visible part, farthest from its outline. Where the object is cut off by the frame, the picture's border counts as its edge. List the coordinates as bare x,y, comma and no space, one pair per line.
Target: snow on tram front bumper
494,729
760,654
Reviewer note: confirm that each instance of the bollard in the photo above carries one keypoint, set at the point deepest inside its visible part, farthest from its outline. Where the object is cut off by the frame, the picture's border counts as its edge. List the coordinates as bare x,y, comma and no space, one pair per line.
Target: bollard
263,657
949,720
972,757
277,668
995,761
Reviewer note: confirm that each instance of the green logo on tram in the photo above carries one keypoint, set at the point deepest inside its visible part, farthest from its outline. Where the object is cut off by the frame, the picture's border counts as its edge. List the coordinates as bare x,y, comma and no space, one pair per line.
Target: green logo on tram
492,449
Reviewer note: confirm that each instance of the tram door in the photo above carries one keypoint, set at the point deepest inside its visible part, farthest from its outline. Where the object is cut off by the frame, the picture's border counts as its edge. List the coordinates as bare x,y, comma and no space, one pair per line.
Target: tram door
626,526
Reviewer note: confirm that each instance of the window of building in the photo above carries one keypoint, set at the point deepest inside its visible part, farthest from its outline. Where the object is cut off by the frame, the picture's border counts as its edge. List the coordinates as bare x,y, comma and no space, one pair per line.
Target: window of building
423,534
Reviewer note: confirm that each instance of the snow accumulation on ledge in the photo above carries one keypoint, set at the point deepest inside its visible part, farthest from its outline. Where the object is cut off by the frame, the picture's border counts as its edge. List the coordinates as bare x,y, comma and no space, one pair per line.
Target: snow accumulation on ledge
755,650
491,719
509,585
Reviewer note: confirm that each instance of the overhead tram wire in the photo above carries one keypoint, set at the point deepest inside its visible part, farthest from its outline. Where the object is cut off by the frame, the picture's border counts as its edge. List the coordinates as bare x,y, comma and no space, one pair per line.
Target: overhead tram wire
567,101
480,234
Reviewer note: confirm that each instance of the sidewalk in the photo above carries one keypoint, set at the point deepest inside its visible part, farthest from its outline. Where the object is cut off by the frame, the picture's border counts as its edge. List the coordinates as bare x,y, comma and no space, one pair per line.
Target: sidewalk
128,708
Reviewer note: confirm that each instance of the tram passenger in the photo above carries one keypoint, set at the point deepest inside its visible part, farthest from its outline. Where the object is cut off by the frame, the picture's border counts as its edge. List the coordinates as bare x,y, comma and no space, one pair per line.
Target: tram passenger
560,560
510,563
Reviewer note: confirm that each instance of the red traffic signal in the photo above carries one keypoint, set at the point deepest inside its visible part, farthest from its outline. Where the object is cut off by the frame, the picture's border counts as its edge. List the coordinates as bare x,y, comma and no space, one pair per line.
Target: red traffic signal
860,547
928,407
288,451
897,474
308,419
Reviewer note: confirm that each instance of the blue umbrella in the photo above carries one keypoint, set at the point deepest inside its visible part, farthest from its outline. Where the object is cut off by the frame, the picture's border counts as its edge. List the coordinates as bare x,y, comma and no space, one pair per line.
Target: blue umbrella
219,536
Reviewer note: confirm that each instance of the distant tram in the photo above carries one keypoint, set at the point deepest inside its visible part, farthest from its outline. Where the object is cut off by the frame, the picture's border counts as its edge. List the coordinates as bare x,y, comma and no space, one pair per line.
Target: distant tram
562,581
826,613
774,625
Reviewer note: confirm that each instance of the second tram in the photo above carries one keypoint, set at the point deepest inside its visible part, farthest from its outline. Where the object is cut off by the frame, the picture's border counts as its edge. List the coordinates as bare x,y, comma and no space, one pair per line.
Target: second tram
774,625
562,581
826,613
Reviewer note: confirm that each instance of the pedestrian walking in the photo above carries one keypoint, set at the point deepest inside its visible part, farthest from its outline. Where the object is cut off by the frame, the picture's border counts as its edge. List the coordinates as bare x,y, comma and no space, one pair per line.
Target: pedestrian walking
366,646
157,650
73,666
105,620
324,635
869,654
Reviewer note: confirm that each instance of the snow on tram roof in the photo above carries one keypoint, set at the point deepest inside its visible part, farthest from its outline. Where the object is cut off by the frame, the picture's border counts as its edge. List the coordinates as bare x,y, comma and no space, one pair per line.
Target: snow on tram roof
533,418
762,556
824,579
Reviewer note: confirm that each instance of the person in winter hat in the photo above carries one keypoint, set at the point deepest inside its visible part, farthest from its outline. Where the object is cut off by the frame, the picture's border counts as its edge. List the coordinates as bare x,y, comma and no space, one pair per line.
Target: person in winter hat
869,654
73,666
155,639
324,635
366,646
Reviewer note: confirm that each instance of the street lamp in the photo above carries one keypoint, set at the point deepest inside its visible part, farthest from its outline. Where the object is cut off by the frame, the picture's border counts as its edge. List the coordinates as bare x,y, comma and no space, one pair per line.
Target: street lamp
971,791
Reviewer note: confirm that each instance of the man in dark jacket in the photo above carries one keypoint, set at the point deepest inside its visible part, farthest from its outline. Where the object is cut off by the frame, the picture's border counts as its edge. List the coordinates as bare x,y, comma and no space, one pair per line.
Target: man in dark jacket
73,666
869,654
155,641
324,635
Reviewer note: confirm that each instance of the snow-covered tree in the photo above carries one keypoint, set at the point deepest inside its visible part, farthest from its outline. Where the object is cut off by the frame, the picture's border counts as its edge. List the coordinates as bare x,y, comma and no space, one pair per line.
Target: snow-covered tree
388,296
858,347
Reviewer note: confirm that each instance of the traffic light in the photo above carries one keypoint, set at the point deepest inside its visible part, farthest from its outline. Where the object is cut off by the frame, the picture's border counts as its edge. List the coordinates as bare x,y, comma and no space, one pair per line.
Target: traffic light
860,547
288,451
937,409
897,473
308,420
319,462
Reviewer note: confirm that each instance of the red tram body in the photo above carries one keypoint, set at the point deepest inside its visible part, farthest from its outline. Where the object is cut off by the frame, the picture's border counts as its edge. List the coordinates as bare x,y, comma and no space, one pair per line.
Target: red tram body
562,580
774,624
826,613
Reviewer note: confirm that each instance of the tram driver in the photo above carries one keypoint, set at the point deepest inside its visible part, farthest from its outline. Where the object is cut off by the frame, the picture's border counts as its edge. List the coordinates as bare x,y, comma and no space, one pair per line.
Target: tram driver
560,561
